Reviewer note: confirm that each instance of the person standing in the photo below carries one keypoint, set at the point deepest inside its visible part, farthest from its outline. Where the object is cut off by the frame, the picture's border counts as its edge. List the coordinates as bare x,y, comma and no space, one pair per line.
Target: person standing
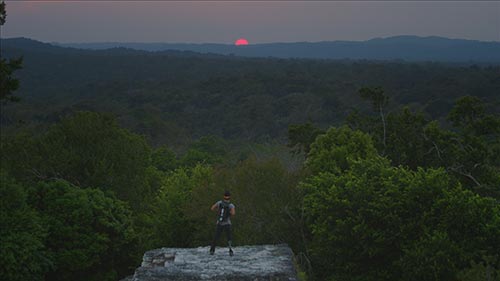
225,209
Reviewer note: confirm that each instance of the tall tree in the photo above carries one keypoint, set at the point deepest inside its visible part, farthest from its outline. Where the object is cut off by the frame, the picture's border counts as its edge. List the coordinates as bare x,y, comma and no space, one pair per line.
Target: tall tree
90,234
467,111
301,136
23,255
335,151
373,221
87,149
406,144
8,84
378,100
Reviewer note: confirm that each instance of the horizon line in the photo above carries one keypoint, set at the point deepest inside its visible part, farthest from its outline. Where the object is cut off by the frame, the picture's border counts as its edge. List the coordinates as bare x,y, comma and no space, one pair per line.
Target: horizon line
250,42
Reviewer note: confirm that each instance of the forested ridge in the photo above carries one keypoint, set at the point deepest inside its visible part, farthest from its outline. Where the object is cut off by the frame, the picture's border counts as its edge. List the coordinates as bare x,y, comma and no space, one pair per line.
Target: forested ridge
176,95
369,170
404,47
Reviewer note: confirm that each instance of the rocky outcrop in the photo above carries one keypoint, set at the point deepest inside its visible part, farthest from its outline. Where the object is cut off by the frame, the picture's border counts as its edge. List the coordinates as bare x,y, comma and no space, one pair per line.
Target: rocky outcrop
255,263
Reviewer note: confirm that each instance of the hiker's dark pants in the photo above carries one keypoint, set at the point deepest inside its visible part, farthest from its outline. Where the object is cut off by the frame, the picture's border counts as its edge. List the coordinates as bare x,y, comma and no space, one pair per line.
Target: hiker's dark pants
218,231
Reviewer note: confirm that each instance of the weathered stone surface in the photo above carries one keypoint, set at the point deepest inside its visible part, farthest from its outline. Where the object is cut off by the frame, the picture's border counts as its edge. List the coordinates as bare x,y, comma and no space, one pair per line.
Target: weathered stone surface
255,263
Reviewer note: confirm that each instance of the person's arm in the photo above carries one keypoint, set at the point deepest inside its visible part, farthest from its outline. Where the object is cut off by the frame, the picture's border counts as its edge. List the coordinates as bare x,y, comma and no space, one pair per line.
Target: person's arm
232,211
215,206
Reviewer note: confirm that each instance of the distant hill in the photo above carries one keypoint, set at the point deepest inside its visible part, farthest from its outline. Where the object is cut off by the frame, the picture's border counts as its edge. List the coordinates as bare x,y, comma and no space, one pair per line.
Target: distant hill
21,45
409,48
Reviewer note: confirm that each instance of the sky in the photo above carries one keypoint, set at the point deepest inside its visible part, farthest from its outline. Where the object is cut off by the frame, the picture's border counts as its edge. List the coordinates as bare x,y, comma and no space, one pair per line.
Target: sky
258,21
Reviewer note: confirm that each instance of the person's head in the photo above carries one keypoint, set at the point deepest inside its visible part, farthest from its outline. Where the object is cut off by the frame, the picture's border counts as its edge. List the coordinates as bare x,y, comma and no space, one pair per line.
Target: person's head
227,195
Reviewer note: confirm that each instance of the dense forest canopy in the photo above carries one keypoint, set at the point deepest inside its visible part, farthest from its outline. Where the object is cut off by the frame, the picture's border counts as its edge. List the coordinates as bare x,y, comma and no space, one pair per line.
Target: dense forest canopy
369,170
172,96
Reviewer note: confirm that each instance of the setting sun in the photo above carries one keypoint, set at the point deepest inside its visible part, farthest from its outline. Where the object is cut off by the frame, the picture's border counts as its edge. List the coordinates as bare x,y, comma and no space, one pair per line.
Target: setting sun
241,42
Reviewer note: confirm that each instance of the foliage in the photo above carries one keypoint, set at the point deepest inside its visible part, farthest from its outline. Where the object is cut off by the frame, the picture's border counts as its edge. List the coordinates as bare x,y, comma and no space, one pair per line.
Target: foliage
265,194
167,222
377,222
486,269
175,97
89,234
376,96
3,13
406,144
8,84
466,111
207,150
164,159
468,152
267,202
422,212
23,255
302,136
19,155
88,150
335,150
379,101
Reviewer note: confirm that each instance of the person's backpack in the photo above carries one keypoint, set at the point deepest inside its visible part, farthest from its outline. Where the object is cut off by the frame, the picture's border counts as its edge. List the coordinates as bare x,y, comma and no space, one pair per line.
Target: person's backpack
224,211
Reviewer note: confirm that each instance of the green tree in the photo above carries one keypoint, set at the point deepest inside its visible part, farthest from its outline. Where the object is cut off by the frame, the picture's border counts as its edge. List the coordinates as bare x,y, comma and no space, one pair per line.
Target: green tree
406,144
267,199
3,13
356,120
206,150
23,255
467,111
8,84
90,234
300,137
167,224
487,269
87,149
335,150
164,159
377,222
470,151
20,156
378,100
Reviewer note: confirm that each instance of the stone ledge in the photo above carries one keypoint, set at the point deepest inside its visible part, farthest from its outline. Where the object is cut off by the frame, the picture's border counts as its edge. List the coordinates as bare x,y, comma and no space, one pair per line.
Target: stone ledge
255,263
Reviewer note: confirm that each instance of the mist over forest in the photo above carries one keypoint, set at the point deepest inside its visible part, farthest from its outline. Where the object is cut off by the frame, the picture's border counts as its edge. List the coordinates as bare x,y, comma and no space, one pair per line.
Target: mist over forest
368,169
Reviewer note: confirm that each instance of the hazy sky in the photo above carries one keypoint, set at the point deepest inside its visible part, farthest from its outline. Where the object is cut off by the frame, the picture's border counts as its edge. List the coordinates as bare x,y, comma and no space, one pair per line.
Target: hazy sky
258,21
